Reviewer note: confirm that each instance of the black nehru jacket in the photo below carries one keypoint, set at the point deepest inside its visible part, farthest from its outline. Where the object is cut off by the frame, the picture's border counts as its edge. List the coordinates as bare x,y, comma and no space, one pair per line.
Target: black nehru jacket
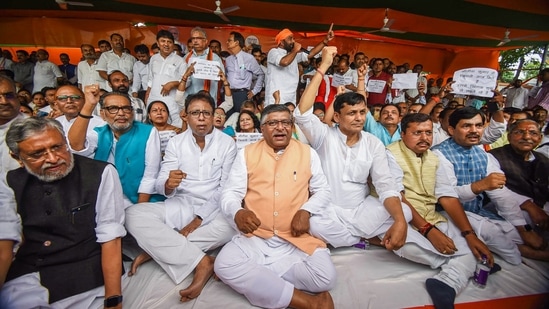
58,221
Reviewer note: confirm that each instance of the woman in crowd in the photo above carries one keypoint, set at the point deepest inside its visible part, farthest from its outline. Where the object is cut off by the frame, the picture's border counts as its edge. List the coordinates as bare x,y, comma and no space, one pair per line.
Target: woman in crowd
247,122
158,115
219,122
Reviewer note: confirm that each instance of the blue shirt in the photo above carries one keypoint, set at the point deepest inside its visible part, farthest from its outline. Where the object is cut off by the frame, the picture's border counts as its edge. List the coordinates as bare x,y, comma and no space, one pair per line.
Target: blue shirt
240,71
377,129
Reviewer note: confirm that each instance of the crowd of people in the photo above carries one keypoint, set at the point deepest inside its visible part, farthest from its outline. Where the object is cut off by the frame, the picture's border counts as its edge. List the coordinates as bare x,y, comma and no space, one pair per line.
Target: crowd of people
123,154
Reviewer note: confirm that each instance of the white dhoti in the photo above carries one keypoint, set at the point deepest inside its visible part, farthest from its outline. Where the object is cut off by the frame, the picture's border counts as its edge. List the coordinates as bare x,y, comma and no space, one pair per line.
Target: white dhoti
266,271
176,254
341,227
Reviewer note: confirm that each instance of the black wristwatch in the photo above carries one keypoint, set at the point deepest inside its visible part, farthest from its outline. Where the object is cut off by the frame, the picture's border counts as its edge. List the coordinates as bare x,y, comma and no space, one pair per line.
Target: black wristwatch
113,301
528,227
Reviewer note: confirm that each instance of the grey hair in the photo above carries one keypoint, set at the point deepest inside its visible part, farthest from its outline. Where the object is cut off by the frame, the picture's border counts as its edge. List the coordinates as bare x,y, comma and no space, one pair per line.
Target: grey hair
515,124
273,108
22,129
199,29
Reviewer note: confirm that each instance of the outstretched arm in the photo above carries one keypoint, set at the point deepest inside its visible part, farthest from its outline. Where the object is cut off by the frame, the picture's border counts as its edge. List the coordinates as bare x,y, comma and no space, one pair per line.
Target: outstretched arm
308,97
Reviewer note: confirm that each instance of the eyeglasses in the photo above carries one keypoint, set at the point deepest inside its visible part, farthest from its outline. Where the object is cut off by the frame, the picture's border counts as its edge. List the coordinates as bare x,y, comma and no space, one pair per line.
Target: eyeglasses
274,123
65,98
42,155
198,38
8,95
418,133
196,114
114,109
219,115
523,132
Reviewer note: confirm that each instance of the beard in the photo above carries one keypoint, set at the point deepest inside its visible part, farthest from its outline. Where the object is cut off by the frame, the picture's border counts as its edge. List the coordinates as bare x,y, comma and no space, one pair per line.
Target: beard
51,177
120,127
122,89
288,47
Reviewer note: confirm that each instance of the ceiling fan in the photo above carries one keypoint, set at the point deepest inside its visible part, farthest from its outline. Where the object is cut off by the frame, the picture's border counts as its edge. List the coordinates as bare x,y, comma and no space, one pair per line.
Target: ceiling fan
218,11
387,23
63,4
506,38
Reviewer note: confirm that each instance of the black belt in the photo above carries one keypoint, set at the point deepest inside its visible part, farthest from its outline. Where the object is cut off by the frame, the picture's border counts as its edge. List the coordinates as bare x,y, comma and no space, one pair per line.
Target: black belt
239,90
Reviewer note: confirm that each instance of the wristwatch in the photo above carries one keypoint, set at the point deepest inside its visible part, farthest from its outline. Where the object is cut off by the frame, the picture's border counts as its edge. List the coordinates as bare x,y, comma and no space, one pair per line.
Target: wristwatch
528,227
113,301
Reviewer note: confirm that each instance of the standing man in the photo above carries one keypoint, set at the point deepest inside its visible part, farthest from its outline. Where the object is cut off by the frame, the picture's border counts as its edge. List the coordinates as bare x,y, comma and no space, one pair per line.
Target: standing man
200,50
46,73
166,69
70,212
136,152
242,68
275,248
541,97
282,70
23,71
194,171
517,96
141,71
87,73
379,84
115,59
68,69
350,75
9,112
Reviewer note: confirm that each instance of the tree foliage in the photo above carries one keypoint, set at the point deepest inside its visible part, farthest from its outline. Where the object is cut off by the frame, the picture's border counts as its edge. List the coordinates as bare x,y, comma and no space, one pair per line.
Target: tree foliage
514,61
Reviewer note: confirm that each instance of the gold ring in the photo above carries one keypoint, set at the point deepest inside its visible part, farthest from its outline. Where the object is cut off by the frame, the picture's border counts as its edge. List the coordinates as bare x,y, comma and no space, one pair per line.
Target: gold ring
501,187
444,252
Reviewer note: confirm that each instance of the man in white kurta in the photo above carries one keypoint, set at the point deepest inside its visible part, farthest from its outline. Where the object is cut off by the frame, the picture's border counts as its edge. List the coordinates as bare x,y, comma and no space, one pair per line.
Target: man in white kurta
9,112
165,70
46,73
115,59
273,178
176,233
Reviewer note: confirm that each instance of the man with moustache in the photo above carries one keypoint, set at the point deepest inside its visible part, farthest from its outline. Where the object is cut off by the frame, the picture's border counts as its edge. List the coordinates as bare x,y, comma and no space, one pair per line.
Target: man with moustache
473,172
87,72
275,248
115,59
200,50
64,215
388,127
166,69
378,95
282,70
70,100
527,173
133,147
119,82
9,112
176,233
141,71
443,239
23,70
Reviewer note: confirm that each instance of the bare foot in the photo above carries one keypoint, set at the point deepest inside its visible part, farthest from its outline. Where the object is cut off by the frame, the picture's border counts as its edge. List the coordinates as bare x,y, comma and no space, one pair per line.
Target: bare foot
140,259
202,273
302,300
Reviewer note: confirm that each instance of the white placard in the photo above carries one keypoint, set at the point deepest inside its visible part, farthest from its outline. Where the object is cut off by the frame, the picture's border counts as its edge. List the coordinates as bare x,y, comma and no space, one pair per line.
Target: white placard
341,80
205,69
475,81
404,81
243,139
376,86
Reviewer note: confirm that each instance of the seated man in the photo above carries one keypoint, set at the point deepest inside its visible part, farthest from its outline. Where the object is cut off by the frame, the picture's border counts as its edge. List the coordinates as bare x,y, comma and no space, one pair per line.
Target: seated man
70,100
526,173
133,147
275,259
176,233
447,239
71,213
473,172
349,157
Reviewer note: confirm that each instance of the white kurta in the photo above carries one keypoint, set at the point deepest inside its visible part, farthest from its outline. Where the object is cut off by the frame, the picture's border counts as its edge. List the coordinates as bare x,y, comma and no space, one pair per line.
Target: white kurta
284,79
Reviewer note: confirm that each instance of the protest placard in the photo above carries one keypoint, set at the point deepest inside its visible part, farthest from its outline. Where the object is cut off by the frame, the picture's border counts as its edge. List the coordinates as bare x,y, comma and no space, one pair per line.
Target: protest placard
205,69
376,86
404,81
475,81
243,139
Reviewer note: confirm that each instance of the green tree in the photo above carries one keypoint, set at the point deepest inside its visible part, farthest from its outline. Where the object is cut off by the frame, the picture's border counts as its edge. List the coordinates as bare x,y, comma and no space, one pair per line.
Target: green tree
514,61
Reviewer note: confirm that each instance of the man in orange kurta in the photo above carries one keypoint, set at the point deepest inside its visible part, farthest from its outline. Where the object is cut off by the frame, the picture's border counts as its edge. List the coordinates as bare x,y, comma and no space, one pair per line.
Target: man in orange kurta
274,187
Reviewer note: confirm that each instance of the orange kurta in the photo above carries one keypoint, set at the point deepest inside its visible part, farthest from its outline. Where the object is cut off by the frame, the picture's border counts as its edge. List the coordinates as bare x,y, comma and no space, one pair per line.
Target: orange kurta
278,186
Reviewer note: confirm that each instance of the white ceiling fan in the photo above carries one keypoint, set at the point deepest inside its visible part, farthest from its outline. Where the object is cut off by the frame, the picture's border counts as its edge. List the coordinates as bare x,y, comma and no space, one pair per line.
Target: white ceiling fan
63,4
218,11
506,38
387,23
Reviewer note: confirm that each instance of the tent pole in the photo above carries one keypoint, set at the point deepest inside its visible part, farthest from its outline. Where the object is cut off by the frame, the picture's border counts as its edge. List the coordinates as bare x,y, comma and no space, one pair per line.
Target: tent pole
543,60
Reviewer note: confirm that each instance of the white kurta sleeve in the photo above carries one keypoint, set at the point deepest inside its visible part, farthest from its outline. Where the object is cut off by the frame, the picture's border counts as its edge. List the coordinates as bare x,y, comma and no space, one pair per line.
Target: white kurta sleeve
109,207
235,188
318,187
153,159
